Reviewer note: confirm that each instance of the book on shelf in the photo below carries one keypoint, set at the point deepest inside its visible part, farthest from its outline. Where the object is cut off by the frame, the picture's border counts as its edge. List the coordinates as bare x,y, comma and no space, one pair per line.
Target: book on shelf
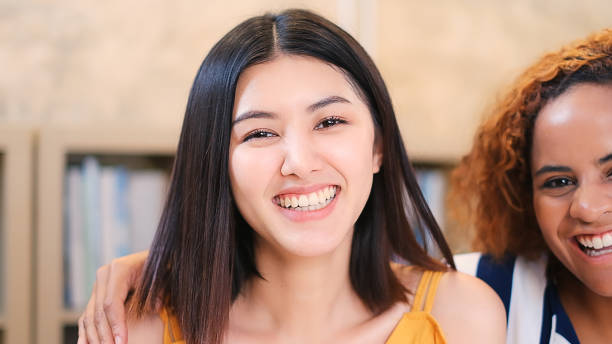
114,213
109,211
91,211
433,184
147,190
74,243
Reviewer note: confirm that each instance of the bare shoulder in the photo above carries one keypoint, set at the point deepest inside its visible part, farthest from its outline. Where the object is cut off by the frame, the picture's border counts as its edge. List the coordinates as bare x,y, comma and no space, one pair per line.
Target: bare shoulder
468,310
149,329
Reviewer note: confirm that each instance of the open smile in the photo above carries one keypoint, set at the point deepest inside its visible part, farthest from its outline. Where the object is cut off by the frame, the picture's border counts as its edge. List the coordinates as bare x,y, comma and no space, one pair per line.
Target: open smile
312,201
595,245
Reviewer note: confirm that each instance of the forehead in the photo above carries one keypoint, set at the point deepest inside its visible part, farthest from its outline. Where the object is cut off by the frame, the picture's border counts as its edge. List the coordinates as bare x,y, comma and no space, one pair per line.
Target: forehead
291,80
578,123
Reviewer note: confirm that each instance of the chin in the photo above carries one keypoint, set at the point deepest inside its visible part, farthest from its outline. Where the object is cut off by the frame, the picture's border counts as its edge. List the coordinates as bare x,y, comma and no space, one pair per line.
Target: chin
312,249
310,245
599,286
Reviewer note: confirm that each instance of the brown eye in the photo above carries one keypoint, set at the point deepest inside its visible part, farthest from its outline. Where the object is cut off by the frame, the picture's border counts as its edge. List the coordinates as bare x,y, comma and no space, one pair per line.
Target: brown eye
259,134
558,183
329,122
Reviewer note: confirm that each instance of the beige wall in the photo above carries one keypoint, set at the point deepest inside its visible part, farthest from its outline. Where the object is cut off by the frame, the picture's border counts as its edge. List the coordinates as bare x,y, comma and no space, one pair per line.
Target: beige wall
82,61
131,61
446,60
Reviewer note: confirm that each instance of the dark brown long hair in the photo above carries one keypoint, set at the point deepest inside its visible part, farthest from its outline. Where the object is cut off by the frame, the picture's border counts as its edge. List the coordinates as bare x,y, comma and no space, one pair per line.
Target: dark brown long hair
203,251
491,188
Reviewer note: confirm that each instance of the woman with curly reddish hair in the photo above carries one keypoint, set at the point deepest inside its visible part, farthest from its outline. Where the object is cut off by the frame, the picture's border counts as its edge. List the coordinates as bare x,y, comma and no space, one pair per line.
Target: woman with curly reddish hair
537,190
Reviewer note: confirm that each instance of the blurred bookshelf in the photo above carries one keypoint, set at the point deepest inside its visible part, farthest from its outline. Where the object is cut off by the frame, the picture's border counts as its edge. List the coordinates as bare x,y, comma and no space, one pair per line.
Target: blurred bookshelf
16,144
86,156
100,194
433,176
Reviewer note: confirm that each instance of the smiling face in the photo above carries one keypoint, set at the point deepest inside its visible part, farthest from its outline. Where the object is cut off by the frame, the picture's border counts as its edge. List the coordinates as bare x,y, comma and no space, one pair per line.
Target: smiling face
572,182
302,155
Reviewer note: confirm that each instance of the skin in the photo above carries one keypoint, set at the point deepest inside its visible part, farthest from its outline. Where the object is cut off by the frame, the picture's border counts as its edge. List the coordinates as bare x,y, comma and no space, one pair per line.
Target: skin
572,196
297,146
302,138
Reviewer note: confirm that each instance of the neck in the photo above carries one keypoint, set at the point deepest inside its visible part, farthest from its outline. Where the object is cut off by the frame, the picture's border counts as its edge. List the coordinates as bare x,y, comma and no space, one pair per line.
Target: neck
589,312
302,297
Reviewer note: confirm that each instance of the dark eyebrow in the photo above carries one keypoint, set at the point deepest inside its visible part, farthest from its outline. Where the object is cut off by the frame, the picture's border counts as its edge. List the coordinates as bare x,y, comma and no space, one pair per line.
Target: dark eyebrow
311,108
327,101
252,114
549,168
605,159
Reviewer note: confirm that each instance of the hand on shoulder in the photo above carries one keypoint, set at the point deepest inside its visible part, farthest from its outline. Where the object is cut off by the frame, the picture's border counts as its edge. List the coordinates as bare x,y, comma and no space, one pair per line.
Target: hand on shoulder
148,329
468,310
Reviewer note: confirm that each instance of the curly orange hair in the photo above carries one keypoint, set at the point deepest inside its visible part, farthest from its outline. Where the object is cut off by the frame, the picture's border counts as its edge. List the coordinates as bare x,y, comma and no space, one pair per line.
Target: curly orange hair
491,188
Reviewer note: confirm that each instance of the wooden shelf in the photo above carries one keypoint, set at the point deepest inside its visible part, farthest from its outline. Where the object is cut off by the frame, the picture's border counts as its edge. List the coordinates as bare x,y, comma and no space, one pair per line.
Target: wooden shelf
70,317
56,144
16,253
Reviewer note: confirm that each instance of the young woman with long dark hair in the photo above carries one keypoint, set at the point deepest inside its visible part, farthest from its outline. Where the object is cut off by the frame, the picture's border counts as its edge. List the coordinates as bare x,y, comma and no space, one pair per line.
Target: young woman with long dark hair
291,196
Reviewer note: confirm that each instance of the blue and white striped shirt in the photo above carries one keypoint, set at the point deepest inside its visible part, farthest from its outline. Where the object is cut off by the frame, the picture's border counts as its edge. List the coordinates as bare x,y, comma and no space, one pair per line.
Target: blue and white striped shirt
533,308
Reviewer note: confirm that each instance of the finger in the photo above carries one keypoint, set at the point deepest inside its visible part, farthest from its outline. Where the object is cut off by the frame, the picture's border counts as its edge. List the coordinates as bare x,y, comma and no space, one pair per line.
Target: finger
118,286
104,331
82,336
91,335
124,274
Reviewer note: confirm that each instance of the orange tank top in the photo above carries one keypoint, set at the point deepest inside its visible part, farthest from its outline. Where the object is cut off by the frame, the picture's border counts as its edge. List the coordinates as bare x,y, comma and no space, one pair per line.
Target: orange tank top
418,325
415,327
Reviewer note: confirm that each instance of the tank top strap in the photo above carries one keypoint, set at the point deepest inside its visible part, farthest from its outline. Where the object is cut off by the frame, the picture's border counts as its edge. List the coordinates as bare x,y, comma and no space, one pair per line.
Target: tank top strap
433,287
172,331
426,291
420,292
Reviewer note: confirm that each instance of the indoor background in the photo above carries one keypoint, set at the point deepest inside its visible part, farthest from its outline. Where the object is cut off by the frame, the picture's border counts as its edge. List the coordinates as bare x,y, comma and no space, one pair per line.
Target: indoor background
108,81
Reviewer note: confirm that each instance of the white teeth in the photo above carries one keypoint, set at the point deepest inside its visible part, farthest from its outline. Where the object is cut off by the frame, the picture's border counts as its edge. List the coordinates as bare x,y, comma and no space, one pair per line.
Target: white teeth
321,196
585,241
312,201
597,243
595,253
303,201
326,192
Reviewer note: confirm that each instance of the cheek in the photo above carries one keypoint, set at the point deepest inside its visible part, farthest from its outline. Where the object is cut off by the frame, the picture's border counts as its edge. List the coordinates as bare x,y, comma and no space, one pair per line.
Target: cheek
250,173
352,158
550,213
352,151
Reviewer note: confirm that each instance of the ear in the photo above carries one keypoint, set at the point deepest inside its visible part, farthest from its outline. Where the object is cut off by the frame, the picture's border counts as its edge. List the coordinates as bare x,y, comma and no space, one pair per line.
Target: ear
377,155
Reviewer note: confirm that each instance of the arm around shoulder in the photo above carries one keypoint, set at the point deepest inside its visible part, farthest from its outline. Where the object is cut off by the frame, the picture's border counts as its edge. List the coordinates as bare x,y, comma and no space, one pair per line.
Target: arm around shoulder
146,330
468,310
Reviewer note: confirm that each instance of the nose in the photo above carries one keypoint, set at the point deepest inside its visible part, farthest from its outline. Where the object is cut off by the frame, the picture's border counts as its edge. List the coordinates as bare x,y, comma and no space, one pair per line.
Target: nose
301,156
591,201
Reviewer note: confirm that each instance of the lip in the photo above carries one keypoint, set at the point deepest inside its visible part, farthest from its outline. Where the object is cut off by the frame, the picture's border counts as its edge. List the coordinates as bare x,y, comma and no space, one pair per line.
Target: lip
310,215
595,232
303,190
